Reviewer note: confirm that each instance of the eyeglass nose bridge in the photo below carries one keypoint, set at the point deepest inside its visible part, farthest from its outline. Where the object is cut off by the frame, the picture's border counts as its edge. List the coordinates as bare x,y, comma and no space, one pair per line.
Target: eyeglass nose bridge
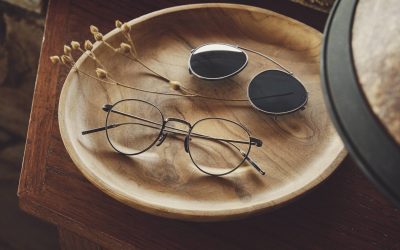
186,142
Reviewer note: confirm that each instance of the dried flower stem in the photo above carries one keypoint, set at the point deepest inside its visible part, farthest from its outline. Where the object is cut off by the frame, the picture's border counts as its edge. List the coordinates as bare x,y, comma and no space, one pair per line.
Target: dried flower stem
92,56
130,40
174,84
147,67
126,31
111,81
110,46
134,58
130,52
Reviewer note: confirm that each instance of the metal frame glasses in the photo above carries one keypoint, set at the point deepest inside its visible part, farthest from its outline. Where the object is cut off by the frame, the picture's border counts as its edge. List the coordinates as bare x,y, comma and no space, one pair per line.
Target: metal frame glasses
165,129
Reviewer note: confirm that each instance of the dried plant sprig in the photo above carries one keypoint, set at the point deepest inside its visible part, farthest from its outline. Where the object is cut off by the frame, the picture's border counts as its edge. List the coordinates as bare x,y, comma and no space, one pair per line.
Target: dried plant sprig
75,45
55,59
98,36
175,85
101,73
67,60
109,80
93,29
128,50
67,50
125,48
118,24
96,33
126,31
88,45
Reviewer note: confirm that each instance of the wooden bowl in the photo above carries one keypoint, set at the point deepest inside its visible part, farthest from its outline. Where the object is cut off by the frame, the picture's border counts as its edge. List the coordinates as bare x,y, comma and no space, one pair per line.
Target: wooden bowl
300,150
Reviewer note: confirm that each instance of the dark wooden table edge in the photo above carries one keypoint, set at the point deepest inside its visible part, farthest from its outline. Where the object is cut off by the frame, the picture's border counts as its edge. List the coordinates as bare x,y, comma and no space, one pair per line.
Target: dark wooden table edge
31,205
35,147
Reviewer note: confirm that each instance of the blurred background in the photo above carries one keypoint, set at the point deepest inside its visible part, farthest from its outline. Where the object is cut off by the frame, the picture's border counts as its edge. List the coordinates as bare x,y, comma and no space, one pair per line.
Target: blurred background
21,32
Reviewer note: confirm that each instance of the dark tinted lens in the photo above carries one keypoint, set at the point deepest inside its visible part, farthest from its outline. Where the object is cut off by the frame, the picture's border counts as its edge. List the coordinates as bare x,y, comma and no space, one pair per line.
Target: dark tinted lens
216,61
277,92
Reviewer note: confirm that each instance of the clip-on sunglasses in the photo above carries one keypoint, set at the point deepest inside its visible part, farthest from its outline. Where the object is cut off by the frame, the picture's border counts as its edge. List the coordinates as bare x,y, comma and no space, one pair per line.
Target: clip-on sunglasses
274,92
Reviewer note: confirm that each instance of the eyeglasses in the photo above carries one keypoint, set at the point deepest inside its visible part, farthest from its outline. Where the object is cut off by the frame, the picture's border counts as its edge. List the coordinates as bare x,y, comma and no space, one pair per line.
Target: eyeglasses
216,146
274,92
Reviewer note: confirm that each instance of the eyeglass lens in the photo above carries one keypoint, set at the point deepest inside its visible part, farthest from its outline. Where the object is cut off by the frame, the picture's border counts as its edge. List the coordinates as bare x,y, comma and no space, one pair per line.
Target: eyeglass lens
218,157
276,92
138,125
216,61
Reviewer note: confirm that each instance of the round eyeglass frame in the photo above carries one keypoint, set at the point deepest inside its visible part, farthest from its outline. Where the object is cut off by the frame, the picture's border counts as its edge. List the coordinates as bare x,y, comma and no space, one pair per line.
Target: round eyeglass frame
223,119
187,138
152,144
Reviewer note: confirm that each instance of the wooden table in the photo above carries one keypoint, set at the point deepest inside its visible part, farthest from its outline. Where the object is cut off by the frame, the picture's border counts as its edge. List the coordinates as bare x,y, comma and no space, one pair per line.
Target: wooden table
345,211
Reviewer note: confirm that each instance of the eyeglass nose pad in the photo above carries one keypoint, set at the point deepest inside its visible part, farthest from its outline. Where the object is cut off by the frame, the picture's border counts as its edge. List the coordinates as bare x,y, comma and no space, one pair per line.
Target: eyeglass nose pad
186,144
161,139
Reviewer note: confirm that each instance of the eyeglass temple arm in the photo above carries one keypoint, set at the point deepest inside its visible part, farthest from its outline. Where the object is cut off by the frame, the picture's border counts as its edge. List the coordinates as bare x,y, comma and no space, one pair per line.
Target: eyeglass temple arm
267,57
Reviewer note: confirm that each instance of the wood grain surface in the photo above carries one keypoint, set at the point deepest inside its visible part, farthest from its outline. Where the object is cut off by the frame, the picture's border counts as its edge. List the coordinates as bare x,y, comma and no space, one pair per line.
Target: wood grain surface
300,149
344,212
377,61
70,240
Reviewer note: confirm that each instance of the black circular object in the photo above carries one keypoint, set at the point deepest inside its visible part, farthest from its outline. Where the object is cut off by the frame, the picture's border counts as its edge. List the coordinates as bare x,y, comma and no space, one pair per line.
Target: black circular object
217,61
365,137
276,92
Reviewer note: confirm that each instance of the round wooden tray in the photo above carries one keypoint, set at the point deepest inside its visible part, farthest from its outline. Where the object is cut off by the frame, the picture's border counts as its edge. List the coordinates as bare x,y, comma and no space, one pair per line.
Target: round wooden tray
300,150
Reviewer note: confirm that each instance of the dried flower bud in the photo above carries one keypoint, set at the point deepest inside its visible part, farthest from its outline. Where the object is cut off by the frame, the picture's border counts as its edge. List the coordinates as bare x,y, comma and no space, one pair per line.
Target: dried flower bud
125,48
75,45
93,29
55,59
118,23
125,28
66,59
98,36
101,73
88,45
175,85
67,50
